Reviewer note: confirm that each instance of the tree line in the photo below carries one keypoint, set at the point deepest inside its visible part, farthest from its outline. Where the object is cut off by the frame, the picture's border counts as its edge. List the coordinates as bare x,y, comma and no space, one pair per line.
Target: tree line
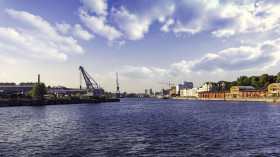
259,82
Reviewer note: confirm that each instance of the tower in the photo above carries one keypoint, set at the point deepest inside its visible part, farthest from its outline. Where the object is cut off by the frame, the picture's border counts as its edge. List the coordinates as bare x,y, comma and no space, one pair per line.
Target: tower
118,88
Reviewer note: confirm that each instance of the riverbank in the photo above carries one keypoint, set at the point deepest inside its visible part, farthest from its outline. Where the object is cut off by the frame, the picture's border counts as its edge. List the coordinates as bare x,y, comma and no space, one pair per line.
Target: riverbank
30,102
270,100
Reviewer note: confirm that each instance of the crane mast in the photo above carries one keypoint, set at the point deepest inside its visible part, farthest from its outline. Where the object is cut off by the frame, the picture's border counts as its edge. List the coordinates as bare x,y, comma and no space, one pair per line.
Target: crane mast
168,83
87,78
93,89
118,88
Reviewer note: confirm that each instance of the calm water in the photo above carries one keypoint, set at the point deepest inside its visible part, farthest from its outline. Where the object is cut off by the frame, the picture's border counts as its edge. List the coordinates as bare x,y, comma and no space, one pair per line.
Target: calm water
142,127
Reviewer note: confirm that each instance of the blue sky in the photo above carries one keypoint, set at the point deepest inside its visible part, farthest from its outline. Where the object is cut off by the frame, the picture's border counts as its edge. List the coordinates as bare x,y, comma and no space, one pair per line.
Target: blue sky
145,41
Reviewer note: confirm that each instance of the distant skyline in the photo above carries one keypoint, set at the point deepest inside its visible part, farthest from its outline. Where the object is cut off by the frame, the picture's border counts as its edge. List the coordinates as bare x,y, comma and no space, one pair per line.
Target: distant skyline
144,41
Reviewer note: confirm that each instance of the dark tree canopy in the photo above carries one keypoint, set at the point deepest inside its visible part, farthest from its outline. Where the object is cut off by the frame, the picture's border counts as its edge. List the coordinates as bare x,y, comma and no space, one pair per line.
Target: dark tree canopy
259,82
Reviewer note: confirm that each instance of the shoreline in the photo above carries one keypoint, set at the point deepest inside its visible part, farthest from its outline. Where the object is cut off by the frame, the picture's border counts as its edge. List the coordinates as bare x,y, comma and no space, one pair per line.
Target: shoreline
29,102
269,100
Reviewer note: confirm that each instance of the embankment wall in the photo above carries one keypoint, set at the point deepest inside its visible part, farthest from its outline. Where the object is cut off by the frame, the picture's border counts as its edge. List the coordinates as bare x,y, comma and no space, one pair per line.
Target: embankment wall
29,102
271,100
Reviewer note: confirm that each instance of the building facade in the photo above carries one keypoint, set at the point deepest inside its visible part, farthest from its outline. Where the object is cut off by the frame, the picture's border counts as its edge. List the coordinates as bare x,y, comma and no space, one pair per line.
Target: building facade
209,86
236,92
216,94
193,92
172,91
14,88
184,85
247,92
274,89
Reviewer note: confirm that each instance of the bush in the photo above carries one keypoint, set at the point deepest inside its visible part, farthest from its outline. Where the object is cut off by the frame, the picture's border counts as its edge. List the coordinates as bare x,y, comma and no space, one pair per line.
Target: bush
38,91
103,96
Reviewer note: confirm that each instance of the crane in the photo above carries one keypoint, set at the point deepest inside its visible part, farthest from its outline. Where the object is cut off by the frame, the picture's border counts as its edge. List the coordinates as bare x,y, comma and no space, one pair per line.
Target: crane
169,84
93,89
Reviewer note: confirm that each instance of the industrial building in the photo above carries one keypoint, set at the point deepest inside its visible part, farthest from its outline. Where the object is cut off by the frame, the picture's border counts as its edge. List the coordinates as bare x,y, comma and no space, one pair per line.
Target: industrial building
14,88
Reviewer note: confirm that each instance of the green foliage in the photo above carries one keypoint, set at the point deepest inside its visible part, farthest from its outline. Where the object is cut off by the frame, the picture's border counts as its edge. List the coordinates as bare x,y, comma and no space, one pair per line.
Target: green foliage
38,91
103,96
233,83
278,78
227,86
258,82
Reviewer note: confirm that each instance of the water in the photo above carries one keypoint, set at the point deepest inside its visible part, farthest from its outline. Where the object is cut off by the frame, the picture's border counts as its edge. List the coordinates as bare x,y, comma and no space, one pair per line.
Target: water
142,127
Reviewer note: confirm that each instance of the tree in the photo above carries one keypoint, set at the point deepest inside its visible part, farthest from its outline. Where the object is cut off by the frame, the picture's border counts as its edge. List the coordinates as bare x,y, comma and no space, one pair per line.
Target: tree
263,79
233,83
228,85
38,91
240,80
247,81
278,78
254,81
266,85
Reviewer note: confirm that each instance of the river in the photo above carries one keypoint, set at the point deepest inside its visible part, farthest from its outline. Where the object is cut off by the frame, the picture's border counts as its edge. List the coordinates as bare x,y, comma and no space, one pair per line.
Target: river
142,127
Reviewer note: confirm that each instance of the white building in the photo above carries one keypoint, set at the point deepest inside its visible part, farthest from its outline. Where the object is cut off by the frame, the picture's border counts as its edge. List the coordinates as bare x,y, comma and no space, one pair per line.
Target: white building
187,92
208,86
184,85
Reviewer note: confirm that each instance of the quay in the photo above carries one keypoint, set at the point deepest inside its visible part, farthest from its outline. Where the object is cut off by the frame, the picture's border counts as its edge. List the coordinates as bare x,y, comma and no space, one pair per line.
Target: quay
30,102
269,100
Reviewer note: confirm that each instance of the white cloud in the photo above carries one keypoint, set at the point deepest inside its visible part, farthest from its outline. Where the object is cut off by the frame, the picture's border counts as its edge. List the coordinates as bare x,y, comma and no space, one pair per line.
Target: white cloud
136,24
63,27
263,56
142,72
98,26
79,32
39,41
223,18
132,25
259,57
223,33
29,45
165,27
97,6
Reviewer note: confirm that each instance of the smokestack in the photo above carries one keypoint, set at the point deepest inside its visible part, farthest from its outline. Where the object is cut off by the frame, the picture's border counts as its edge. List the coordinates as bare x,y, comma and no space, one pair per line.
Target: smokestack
38,78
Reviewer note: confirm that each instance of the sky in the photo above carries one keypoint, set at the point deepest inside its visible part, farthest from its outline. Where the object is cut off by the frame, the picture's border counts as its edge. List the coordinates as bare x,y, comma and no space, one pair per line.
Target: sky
145,41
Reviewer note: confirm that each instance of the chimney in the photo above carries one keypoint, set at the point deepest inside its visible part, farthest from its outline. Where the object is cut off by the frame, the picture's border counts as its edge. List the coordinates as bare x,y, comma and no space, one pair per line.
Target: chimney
38,78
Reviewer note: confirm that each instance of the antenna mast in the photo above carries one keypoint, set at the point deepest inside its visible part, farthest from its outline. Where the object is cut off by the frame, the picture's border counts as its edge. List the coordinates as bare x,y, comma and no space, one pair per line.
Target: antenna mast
118,88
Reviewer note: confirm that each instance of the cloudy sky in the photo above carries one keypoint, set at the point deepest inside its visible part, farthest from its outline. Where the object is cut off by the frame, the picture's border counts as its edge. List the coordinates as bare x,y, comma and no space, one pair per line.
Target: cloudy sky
144,41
